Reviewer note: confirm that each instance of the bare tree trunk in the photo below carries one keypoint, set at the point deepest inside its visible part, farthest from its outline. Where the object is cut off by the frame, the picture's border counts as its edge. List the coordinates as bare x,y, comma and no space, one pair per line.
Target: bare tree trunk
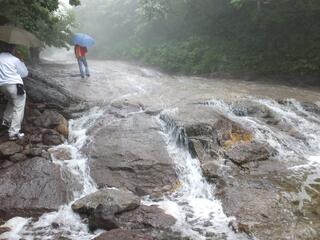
35,55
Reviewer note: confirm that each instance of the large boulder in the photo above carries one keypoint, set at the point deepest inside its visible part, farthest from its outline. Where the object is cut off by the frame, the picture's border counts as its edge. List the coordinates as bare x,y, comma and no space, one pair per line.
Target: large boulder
42,89
116,201
10,148
52,137
243,153
54,120
207,131
149,218
251,180
103,218
31,188
129,152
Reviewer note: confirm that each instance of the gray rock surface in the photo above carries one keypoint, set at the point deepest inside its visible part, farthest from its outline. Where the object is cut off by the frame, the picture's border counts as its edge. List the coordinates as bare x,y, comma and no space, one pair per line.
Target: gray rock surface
253,185
52,137
10,148
31,188
147,218
103,218
249,152
121,234
41,89
54,120
116,201
129,152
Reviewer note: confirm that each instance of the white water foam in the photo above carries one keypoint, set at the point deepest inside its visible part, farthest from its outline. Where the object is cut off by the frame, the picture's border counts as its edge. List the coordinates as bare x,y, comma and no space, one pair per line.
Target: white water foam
199,214
306,150
64,222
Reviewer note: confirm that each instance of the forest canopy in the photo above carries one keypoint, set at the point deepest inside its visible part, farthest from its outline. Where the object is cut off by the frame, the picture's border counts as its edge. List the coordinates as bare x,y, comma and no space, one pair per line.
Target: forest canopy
203,36
41,17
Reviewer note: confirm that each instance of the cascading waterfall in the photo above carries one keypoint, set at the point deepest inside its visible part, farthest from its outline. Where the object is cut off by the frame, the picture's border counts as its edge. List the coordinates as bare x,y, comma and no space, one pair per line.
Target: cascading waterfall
64,222
303,151
198,212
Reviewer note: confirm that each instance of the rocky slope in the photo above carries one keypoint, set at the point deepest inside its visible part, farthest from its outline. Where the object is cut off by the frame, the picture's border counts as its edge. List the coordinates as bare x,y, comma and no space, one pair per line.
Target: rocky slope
250,151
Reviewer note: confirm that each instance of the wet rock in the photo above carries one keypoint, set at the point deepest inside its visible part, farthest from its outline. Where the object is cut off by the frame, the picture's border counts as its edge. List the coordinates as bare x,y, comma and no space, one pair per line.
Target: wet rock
296,134
41,89
203,124
4,229
54,120
211,169
35,137
102,218
18,157
130,153
311,107
61,154
128,106
5,164
10,148
116,201
55,225
147,217
121,234
75,110
52,137
253,109
34,152
32,113
31,188
249,152
208,134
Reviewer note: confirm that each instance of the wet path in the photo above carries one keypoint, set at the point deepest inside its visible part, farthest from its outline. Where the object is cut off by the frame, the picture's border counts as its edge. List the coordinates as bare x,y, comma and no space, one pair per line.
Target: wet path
118,80
113,81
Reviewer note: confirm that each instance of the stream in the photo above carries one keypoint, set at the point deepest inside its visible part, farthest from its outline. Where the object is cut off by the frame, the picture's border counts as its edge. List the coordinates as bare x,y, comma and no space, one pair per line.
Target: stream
199,212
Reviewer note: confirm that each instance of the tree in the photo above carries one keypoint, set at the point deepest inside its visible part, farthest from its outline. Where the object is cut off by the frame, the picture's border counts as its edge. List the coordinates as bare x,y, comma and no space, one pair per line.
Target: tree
42,18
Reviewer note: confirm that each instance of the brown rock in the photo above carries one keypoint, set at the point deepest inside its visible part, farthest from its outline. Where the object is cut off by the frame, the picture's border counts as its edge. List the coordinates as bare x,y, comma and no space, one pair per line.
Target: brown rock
10,148
248,152
146,217
54,120
116,200
61,154
4,229
63,129
102,218
31,188
136,157
18,157
121,234
52,137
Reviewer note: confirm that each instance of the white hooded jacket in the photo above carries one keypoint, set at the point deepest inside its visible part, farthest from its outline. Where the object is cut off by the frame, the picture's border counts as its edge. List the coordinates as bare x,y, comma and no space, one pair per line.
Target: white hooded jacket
12,70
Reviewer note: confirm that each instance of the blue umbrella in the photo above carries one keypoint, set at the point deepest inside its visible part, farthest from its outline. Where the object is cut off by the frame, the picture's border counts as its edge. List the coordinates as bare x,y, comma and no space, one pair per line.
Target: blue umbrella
83,40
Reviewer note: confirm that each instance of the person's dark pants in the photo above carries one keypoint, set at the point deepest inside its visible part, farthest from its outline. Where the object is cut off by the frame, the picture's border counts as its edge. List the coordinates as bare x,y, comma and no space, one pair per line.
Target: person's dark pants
83,66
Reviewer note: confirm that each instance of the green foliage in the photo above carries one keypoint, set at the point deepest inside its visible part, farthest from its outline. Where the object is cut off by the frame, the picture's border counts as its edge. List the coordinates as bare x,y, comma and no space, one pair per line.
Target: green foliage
194,37
42,18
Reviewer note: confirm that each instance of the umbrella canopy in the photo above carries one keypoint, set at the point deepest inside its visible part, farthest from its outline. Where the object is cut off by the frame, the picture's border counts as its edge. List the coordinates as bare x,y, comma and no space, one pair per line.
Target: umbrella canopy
83,40
14,35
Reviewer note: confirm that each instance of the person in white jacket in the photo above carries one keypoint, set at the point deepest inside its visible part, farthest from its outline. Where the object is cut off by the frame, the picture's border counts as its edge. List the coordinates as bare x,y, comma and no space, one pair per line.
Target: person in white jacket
12,70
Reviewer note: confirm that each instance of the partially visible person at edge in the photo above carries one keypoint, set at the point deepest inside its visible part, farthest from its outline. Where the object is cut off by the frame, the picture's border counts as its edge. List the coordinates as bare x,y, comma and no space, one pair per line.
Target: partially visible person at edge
12,70
80,53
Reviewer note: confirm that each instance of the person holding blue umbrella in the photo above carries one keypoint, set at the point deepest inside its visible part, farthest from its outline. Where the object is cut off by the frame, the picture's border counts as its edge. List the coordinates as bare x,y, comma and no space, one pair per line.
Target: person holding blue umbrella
81,42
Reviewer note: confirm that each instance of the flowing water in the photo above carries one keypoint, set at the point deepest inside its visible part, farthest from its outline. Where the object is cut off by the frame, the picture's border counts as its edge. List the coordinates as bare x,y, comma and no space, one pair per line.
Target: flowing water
303,152
64,223
198,212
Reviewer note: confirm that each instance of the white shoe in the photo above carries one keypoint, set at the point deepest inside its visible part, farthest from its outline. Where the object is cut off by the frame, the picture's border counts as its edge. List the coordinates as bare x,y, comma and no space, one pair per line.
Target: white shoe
16,136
